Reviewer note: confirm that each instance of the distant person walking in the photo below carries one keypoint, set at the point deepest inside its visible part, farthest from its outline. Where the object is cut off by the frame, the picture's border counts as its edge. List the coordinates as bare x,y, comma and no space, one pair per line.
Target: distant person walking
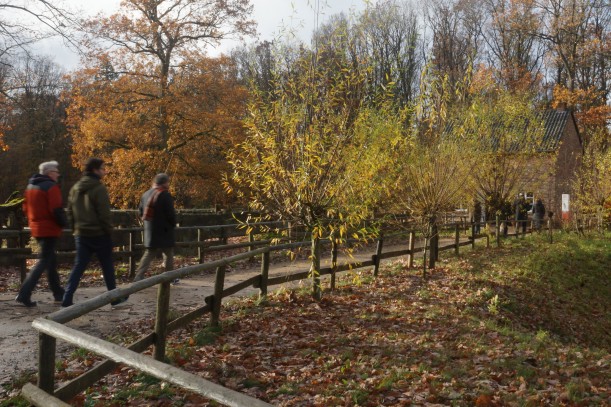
46,218
538,214
157,211
89,215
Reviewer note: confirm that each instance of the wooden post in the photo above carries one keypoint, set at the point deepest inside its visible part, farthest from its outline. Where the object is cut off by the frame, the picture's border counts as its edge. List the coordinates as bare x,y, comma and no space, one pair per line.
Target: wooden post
264,274
251,239
498,231
224,235
23,265
315,269
456,239
219,285
410,256
333,261
132,254
473,235
200,248
376,258
161,321
549,228
46,362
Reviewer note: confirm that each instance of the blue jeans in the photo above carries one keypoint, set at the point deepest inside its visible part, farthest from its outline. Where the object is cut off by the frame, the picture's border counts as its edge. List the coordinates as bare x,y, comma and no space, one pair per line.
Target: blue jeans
47,260
86,246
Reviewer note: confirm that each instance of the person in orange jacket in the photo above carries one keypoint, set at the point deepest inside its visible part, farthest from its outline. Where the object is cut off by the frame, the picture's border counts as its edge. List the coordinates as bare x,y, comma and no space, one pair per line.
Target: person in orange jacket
43,207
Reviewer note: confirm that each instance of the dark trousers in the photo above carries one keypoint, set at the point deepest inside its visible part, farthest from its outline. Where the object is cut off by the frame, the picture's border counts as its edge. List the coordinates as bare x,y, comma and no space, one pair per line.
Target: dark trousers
86,246
47,261
522,222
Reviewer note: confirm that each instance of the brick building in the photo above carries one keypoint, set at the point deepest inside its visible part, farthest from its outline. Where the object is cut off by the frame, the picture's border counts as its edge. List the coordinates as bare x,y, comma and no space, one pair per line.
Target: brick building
557,164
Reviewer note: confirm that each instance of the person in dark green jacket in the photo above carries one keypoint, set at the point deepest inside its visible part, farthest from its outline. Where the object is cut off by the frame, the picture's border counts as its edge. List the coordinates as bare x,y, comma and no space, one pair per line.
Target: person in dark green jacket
89,216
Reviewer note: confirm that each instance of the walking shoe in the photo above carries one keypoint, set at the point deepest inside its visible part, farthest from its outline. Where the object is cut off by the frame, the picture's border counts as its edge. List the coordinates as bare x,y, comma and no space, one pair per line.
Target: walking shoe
27,303
58,299
121,302
67,304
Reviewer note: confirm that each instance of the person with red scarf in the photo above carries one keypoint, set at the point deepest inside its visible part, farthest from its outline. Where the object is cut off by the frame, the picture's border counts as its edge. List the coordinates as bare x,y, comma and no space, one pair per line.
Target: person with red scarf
43,207
157,212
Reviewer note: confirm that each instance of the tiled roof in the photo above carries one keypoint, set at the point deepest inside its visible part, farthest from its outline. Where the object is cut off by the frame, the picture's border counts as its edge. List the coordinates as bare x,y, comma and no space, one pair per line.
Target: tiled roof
554,121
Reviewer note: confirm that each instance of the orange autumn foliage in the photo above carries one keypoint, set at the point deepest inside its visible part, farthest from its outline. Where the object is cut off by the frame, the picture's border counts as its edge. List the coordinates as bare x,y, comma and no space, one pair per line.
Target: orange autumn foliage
118,120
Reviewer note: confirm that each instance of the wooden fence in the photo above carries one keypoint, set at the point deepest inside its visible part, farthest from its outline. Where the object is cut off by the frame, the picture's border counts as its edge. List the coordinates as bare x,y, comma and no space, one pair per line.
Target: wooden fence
51,327
128,243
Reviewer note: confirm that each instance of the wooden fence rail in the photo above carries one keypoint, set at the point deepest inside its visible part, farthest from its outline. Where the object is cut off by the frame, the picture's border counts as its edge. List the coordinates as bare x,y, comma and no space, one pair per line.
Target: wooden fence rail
51,326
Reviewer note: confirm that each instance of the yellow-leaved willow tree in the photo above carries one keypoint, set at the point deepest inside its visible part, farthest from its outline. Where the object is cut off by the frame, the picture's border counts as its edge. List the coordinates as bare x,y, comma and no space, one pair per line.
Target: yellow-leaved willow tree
315,150
150,101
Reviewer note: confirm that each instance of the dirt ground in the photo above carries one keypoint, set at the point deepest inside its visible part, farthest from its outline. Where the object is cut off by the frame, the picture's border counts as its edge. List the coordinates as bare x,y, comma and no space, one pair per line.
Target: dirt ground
19,341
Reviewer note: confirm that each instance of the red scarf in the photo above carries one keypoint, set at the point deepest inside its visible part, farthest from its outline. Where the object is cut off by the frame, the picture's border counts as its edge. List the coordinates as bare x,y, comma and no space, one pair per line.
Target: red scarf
149,208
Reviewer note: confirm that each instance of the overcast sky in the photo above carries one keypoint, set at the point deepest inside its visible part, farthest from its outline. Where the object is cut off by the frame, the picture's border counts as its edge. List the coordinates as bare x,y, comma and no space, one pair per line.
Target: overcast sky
272,16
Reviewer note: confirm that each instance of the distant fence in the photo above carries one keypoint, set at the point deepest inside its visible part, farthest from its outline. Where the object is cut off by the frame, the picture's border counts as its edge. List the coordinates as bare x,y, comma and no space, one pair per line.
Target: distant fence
51,327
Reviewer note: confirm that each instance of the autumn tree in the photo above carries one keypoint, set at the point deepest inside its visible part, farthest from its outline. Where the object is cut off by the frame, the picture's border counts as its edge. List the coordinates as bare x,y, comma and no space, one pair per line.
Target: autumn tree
23,23
455,43
306,158
593,182
515,51
389,35
151,100
436,158
33,117
579,38
509,128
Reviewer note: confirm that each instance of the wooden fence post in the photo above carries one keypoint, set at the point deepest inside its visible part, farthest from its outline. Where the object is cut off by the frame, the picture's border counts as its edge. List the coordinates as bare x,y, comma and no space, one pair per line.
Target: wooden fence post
498,231
251,239
46,362
264,274
219,285
549,228
376,257
200,248
473,235
333,261
456,239
315,269
411,244
161,320
132,254
23,265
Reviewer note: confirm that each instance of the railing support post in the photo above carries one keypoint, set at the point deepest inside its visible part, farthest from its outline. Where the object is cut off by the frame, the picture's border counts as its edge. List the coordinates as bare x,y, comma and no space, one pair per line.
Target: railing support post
161,321
456,239
333,261
132,254
23,265
549,228
219,285
411,245
200,248
46,362
376,258
315,269
264,274
498,231
251,239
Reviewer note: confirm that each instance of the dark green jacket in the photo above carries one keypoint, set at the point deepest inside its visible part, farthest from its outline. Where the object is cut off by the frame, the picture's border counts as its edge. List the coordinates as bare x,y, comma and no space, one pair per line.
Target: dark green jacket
89,207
